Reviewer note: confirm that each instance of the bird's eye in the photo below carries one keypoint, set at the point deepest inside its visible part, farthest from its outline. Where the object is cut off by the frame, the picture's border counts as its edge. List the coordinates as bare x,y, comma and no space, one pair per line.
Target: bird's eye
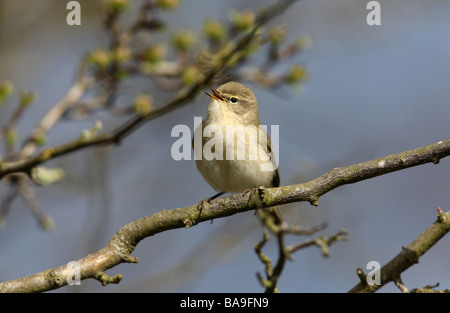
233,100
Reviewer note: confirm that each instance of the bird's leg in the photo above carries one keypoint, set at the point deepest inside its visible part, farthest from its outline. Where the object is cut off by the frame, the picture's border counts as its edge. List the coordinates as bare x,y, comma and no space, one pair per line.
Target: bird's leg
274,211
201,205
254,192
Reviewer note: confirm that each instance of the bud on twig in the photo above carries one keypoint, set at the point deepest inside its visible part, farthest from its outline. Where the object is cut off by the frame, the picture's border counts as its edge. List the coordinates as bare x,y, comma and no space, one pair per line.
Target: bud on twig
214,30
168,4
143,105
6,89
296,73
100,58
242,21
183,40
116,5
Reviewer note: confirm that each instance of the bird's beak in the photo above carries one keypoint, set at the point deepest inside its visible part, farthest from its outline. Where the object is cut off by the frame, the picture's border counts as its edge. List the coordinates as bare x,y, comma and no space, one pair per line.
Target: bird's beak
216,94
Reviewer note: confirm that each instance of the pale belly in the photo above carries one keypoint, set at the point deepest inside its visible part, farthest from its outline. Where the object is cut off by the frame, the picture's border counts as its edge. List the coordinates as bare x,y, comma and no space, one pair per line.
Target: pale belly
234,175
237,174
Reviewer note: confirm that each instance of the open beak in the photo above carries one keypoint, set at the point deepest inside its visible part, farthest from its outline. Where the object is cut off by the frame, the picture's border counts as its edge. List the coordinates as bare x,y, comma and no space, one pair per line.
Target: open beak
216,95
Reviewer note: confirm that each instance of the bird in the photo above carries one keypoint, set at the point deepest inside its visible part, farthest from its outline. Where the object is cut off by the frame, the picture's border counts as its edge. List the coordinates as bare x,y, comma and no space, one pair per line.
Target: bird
239,156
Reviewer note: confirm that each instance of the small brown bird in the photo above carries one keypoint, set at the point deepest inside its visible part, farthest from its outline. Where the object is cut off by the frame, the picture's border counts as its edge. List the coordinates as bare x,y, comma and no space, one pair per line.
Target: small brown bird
239,155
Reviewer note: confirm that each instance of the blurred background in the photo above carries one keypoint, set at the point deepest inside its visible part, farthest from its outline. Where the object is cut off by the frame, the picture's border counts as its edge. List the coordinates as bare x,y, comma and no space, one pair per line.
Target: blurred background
371,91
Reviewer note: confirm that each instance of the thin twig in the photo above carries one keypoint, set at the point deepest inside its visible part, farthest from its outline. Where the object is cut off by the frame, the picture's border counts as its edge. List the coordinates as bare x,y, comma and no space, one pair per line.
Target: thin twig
73,95
322,242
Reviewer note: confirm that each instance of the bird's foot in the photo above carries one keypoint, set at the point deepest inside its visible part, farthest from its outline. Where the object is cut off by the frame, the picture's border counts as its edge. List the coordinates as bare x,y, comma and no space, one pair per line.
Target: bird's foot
254,194
202,203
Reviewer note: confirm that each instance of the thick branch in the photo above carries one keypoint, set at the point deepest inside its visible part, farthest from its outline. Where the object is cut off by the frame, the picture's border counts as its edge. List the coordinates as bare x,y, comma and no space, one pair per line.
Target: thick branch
409,255
122,244
312,190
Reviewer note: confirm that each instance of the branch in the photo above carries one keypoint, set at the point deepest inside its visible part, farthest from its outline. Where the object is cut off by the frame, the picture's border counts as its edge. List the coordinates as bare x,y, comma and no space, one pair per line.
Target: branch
73,95
120,247
273,273
340,176
116,136
408,256
321,242
271,219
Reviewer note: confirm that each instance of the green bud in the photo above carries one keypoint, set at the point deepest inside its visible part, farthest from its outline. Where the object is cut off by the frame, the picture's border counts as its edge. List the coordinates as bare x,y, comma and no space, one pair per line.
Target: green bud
116,5
47,223
243,21
88,134
277,34
168,4
143,105
39,138
155,53
296,74
11,137
26,98
6,90
100,58
47,176
214,30
183,40
121,54
191,74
